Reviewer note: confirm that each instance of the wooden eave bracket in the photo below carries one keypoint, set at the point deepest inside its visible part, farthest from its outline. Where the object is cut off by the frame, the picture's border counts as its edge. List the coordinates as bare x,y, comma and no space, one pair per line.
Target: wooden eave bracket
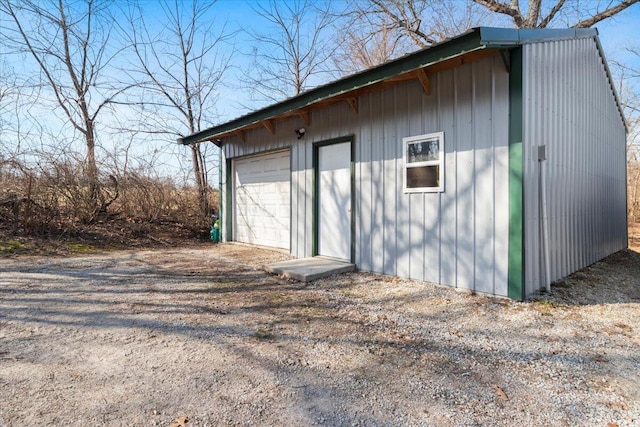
240,134
304,115
353,103
424,80
270,126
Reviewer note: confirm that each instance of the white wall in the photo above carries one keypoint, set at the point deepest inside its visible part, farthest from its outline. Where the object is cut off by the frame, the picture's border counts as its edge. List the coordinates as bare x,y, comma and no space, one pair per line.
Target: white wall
570,107
459,237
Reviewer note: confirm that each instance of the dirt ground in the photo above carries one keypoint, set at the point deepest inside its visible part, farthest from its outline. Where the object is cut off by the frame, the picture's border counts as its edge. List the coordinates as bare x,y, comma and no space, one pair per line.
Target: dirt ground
146,337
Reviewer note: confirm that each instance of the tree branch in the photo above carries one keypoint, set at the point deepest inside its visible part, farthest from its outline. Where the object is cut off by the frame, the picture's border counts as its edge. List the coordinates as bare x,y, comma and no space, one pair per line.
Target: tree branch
512,10
547,19
587,23
533,13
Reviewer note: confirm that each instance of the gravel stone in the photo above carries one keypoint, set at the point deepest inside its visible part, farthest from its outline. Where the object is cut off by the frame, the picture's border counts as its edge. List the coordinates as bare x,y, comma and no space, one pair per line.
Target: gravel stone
143,337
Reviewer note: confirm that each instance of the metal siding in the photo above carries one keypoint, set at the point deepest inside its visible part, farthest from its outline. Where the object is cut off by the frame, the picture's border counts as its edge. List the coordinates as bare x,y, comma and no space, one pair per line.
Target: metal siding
458,237
402,201
305,224
364,187
415,227
500,157
569,106
484,189
377,186
447,214
531,97
297,198
389,184
432,202
465,174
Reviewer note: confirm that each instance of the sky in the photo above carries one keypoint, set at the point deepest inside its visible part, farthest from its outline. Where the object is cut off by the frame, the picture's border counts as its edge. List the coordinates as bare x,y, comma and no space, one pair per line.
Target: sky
617,35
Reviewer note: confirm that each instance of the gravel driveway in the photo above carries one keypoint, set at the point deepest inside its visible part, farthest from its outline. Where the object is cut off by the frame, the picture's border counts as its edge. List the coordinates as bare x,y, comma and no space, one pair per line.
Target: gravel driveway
142,338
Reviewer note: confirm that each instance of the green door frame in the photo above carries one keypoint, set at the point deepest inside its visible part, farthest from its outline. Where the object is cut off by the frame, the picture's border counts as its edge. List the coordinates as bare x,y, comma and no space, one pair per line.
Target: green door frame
316,192
516,269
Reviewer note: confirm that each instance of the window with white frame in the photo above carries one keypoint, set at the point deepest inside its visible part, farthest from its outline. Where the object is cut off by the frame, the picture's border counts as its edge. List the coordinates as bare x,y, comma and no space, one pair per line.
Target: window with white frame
424,163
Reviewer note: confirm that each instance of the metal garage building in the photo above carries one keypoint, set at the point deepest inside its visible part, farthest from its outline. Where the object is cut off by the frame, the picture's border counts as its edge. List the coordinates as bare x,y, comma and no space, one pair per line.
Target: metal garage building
493,161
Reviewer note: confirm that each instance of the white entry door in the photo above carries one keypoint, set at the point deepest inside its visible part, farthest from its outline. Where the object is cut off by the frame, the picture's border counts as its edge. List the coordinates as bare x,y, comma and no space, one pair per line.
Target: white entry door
262,201
334,199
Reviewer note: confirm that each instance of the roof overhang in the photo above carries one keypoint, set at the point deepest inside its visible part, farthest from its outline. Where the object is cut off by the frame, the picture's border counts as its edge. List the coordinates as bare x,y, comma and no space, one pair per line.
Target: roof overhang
471,46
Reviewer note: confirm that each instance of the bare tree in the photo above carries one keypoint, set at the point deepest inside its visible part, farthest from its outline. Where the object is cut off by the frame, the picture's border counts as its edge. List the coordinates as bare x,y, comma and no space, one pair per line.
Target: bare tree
633,165
7,94
294,50
425,22
408,24
180,68
359,52
17,125
70,46
629,91
541,14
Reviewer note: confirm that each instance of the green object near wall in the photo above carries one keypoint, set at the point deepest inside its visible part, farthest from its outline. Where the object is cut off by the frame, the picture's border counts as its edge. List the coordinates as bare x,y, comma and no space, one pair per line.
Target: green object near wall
215,234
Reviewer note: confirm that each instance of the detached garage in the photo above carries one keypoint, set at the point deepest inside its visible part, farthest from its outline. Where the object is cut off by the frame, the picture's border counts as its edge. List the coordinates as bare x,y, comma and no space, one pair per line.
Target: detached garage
494,162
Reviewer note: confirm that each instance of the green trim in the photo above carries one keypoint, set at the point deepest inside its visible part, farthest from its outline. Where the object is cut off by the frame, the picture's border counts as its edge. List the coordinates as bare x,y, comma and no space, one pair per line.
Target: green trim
451,48
516,184
333,141
220,204
315,201
316,192
353,200
473,40
229,202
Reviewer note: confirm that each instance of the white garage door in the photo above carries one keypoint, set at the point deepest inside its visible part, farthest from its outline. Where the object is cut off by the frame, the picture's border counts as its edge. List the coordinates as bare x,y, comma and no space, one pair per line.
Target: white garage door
262,201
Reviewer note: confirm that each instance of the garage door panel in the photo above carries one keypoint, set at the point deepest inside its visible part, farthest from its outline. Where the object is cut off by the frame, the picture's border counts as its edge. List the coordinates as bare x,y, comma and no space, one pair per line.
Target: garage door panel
262,205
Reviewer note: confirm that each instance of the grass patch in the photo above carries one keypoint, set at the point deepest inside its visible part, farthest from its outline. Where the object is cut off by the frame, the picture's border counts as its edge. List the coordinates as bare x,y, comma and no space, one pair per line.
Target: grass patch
13,246
80,247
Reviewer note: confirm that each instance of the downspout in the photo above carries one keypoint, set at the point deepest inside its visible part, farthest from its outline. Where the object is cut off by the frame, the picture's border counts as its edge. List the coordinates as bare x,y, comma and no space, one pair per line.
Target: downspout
542,159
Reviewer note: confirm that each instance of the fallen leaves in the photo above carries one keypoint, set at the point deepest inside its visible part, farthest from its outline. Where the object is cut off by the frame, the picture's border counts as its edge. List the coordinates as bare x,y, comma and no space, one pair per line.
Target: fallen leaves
600,358
618,405
623,326
501,394
180,422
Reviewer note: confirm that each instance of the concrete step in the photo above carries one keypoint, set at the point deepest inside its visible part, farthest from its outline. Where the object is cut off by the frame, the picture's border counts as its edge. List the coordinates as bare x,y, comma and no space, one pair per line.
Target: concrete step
308,269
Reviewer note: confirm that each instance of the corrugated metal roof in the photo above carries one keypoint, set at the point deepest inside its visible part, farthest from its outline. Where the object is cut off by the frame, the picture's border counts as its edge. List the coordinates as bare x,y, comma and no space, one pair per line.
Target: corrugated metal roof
476,39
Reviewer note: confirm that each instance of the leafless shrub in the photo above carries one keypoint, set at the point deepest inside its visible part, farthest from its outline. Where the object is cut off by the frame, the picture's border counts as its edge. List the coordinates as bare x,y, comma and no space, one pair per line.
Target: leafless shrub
633,188
156,199
56,198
